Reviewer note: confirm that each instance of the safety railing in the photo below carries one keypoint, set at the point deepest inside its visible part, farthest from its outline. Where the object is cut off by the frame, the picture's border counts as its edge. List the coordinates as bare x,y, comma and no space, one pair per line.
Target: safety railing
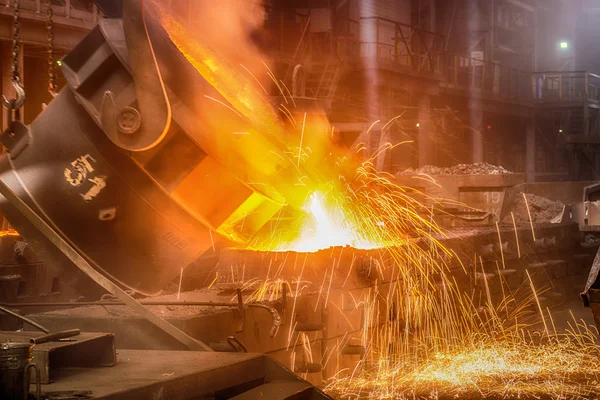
400,44
64,10
564,86
488,78
393,44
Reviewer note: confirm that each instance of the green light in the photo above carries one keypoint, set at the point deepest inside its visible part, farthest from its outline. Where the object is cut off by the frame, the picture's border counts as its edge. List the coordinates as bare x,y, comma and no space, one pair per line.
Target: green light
564,45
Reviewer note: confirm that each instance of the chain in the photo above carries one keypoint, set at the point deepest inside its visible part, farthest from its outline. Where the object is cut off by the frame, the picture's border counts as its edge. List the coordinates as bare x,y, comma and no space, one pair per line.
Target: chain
13,105
15,44
51,64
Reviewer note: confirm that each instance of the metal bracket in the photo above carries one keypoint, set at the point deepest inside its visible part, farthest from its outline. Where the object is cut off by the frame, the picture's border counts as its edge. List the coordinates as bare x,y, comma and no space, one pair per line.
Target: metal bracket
16,138
241,311
151,94
136,114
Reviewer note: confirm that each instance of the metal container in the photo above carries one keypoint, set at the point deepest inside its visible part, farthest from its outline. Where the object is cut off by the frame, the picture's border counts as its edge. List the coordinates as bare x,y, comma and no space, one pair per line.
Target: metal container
15,363
136,216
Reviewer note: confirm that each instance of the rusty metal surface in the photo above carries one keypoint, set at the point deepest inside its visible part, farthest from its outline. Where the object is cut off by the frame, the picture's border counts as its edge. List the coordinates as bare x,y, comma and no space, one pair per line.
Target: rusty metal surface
87,350
175,375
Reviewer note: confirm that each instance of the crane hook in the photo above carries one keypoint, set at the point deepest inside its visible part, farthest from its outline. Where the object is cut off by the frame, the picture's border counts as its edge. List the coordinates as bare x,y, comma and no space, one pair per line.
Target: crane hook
19,101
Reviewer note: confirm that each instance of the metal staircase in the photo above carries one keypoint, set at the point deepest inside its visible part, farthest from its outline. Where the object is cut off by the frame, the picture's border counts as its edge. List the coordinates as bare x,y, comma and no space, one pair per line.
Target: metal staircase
575,123
323,81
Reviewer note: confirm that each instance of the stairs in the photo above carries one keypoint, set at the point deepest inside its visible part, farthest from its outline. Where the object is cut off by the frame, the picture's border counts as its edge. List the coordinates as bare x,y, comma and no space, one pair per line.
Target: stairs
323,80
575,122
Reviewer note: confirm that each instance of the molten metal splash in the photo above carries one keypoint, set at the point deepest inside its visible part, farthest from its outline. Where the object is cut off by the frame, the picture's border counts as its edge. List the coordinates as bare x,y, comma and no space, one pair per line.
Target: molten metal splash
326,226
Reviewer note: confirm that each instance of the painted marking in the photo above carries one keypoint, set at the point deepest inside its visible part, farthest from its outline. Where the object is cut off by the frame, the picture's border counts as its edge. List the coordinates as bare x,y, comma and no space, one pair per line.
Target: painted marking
82,166
99,184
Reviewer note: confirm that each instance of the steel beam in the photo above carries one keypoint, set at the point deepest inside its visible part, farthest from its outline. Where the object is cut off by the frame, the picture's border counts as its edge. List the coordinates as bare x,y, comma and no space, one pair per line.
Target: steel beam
33,30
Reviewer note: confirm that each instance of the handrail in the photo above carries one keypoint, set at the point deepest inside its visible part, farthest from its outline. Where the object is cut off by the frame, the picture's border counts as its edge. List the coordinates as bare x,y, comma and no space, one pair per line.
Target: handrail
566,85
567,72
407,46
400,24
66,10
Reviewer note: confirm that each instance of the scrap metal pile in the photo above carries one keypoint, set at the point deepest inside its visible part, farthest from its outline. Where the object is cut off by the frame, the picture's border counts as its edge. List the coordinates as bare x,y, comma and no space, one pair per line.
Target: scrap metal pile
460,169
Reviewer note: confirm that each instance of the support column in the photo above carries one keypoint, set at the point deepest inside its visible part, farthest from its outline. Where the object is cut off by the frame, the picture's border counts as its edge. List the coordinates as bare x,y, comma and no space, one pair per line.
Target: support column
424,138
477,135
530,150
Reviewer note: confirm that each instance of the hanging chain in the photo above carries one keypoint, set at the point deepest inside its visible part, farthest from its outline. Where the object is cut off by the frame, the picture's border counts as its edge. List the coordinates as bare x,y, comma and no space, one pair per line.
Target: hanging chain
15,45
13,105
51,63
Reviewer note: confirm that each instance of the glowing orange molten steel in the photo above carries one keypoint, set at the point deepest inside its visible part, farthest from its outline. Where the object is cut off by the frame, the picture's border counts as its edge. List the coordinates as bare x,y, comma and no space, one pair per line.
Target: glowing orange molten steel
327,227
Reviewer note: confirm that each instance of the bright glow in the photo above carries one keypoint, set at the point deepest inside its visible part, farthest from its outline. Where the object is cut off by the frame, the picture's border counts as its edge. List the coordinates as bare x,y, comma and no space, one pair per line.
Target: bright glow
560,130
564,45
418,124
326,227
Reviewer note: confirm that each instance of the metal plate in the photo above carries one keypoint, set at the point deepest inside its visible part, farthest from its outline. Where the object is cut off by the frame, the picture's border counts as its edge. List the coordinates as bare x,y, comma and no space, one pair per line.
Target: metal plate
86,350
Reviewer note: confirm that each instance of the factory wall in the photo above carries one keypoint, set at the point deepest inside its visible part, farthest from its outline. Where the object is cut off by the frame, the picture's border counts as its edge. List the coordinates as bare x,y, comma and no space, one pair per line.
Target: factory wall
588,36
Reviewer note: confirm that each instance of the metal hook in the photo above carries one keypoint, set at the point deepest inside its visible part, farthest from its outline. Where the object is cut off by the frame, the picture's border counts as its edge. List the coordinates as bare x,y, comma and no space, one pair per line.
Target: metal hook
19,101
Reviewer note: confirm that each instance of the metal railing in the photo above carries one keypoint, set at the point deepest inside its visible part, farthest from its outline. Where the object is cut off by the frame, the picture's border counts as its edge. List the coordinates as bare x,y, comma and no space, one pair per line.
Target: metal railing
74,10
399,43
488,78
565,86
396,45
